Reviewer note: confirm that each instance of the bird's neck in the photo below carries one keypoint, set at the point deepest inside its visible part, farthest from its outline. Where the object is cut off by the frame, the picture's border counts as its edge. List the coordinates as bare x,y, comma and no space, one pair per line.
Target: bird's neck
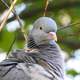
52,42
32,44
52,45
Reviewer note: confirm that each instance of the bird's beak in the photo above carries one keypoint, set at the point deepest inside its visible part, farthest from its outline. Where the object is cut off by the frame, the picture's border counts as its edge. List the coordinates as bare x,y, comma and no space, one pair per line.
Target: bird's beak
52,36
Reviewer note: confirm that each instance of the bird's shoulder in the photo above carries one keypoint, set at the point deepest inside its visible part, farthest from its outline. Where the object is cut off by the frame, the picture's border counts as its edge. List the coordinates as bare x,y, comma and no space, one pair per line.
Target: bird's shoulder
19,55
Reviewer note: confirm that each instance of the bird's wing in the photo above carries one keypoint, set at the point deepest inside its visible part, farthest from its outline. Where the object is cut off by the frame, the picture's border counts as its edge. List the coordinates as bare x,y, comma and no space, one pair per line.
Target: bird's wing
55,71
12,69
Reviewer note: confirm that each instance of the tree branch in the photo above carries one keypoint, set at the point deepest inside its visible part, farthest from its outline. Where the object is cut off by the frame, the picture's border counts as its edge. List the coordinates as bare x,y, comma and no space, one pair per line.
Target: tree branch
62,28
9,11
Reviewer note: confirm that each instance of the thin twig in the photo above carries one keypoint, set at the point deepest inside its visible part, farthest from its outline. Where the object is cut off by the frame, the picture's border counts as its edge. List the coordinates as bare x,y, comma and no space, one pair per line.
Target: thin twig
18,18
9,11
46,6
74,34
22,30
11,45
76,23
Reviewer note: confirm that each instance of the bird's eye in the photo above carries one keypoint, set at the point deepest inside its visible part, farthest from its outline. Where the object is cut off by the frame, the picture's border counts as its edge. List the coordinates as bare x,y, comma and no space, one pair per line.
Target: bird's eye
40,28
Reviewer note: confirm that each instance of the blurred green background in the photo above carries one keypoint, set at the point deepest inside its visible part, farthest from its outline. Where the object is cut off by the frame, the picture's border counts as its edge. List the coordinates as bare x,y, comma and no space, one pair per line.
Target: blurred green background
65,12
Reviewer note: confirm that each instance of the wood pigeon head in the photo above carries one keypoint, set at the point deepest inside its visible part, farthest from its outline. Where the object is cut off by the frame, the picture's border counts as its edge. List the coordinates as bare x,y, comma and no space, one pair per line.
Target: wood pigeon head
44,30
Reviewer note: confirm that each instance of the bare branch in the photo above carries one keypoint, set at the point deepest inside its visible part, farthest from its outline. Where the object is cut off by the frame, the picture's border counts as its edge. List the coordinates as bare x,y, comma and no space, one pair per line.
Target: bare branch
76,23
17,17
46,6
47,3
22,29
9,11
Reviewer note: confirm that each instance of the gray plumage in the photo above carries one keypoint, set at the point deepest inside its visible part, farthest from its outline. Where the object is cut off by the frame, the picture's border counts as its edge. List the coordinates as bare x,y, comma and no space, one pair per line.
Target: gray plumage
43,63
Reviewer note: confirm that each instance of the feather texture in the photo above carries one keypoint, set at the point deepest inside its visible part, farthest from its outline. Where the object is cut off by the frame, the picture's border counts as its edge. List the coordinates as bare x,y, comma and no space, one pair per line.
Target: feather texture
44,62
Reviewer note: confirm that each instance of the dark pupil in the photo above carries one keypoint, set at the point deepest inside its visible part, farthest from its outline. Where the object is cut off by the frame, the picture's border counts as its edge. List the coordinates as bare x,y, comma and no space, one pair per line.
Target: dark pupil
40,28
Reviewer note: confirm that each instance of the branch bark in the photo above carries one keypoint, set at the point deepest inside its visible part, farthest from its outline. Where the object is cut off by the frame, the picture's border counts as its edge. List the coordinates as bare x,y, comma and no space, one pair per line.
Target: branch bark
9,11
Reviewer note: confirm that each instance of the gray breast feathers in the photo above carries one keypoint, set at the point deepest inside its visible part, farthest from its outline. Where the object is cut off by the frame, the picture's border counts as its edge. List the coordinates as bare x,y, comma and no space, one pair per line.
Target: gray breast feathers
43,64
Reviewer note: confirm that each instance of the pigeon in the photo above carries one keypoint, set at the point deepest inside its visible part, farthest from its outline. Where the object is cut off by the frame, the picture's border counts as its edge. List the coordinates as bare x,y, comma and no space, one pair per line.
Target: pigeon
41,61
